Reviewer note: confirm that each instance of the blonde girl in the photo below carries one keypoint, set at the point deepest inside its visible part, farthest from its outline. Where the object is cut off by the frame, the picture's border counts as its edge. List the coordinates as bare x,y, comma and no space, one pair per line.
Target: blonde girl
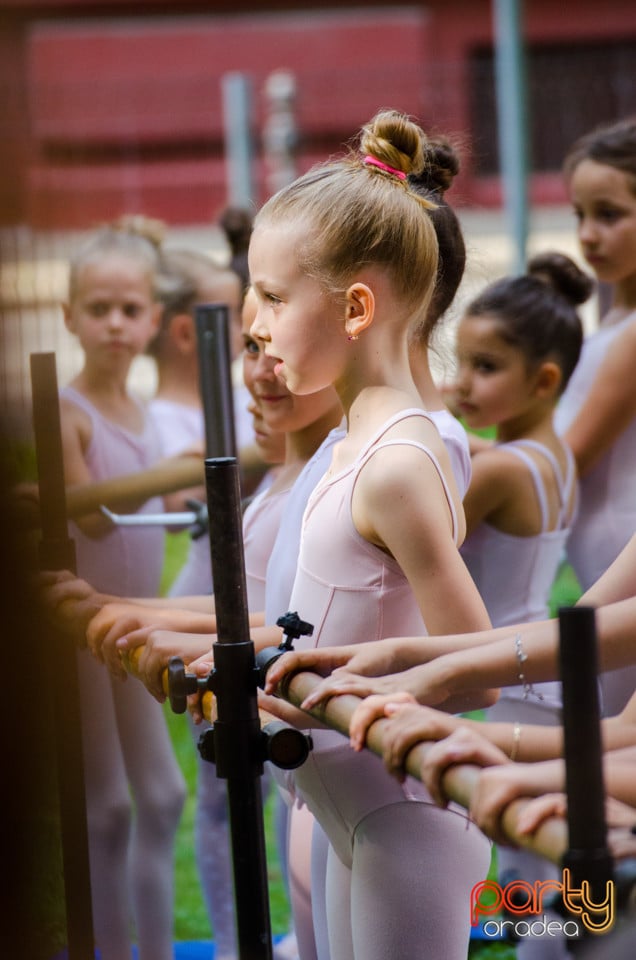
128,758
343,264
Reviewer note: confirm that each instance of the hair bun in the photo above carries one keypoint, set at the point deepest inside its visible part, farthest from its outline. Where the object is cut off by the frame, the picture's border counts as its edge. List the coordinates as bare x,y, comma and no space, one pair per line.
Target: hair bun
441,166
139,225
560,273
394,139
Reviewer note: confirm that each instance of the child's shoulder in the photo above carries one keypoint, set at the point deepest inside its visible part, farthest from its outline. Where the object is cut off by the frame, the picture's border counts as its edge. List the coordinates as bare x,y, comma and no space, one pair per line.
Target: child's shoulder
75,408
75,421
500,464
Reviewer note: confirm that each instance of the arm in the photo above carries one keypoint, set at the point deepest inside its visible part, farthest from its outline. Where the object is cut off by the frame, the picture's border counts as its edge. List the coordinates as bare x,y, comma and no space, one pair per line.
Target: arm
399,505
76,436
610,405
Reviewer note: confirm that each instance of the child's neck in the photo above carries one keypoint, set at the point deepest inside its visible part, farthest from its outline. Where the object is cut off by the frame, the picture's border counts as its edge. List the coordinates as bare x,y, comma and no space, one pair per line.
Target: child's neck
179,385
625,295
301,445
535,424
102,389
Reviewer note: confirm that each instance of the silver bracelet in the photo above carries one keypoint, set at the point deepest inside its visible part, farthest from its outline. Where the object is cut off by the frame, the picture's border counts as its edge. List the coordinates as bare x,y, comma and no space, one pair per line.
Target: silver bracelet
521,659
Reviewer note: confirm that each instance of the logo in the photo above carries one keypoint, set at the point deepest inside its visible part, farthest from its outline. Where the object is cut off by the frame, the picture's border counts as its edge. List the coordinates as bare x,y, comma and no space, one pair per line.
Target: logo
522,899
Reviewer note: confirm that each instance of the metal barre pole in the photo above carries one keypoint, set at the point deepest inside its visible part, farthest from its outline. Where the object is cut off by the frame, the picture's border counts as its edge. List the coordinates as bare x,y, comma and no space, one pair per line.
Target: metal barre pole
587,855
215,378
57,552
237,734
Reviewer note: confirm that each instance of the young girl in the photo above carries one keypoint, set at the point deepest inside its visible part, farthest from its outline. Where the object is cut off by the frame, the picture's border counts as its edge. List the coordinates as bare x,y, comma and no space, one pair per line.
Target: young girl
288,428
128,758
343,263
598,411
517,345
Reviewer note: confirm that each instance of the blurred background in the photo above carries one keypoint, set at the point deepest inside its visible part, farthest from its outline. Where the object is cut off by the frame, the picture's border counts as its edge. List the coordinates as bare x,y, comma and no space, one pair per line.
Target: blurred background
176,110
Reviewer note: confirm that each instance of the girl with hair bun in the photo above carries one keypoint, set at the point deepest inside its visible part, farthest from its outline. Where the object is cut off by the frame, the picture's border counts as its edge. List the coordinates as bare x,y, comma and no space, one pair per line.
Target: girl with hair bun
344,263
517,345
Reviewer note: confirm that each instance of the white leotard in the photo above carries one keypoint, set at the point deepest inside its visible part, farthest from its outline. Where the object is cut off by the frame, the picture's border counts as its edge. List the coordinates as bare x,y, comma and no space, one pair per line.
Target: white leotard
513,574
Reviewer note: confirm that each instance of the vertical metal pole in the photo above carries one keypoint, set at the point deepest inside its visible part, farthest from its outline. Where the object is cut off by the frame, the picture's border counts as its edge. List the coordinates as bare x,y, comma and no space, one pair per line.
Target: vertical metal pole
512,122
237,112
237,735
587,856
57,552
215,377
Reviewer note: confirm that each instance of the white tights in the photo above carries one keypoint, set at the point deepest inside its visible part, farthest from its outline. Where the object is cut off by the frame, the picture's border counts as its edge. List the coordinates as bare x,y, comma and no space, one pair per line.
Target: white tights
399,871
129,764
407,889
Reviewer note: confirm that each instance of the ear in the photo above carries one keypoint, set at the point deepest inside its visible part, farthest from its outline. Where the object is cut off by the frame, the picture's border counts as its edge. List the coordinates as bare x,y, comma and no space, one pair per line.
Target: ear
548,380
359,309
69,323
182,332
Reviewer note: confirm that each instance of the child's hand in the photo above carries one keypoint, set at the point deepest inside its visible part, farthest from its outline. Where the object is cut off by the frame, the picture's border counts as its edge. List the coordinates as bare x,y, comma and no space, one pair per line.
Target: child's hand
201,667
540,809
463,745
373,659
316,661
114,621
496,788
70,602
369,710
155,648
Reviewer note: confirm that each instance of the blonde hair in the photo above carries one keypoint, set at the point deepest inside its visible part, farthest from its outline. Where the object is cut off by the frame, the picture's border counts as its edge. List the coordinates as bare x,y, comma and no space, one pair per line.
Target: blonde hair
133,236
358,214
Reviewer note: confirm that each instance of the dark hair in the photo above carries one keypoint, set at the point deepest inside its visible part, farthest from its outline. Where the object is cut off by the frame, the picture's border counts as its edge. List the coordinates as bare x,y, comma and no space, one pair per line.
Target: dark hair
441,166
183,273
613,145
537,311
237,224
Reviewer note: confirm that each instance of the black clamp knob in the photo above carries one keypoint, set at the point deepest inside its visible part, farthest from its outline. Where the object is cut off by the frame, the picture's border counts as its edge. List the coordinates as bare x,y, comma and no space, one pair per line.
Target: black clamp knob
281,744
201,523
182,684
293,627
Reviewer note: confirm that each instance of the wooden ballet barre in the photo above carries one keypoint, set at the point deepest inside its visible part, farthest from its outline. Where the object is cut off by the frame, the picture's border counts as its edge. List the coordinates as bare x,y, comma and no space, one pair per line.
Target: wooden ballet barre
549,840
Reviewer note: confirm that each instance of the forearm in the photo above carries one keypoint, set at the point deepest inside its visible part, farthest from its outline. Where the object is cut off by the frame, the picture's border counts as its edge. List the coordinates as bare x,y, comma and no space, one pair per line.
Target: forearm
619,768
526,743
494,664
196,604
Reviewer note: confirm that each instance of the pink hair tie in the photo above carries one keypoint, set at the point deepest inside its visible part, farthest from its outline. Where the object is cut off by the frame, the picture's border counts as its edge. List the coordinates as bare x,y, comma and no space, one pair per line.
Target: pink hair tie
384,166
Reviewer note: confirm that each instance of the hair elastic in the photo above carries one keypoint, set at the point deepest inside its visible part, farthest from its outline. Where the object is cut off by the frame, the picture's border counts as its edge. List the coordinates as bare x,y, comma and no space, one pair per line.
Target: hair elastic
371,161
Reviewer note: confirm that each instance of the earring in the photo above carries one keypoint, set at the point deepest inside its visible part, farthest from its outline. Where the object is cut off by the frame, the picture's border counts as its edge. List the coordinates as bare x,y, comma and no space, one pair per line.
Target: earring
351,338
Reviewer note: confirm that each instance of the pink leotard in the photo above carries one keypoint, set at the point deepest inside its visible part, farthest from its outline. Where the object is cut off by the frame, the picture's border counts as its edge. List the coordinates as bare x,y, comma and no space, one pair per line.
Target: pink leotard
352,591
128,560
